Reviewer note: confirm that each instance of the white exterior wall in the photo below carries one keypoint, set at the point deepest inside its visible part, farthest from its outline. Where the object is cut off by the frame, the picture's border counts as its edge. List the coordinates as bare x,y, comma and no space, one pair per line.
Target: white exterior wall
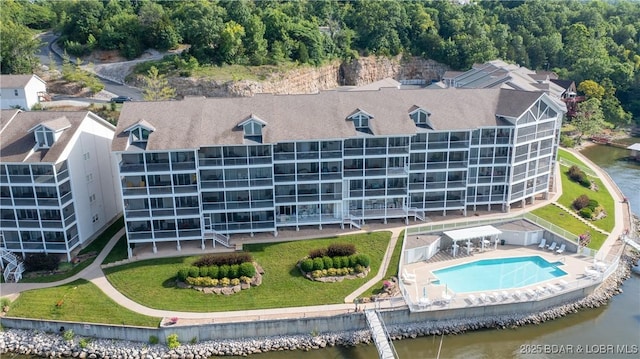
26,98
91,170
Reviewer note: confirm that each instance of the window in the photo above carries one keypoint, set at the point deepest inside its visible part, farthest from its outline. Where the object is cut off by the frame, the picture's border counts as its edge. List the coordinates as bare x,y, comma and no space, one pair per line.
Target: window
86,156
253,131
139,134
44,137
361,121
89,177
419,117
92,198
15,92
95,218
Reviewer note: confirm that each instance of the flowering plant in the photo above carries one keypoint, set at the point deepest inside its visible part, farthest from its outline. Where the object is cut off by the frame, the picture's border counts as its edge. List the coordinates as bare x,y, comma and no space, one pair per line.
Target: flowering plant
173,320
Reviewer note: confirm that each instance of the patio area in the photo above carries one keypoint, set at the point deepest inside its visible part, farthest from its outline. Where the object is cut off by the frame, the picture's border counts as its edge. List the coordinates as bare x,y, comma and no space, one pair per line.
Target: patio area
423,291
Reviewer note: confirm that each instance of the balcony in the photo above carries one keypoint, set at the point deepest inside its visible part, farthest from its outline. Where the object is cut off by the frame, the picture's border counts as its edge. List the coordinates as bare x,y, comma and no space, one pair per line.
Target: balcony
137,213
263,160
28,223
235,161
48,202
331,154
350,152
127,167
284,156
182,233
20,178
186,165
51,224
44,179
162,212
210,162
212,184
27,201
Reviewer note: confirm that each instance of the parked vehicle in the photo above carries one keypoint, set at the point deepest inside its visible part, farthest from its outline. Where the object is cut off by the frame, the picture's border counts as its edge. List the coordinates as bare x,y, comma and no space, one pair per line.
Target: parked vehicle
121,99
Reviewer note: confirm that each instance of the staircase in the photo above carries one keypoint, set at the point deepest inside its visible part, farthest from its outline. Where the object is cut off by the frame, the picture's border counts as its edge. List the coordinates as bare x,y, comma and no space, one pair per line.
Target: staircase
381,338
12,266
574,214
417,214
352,222
632,243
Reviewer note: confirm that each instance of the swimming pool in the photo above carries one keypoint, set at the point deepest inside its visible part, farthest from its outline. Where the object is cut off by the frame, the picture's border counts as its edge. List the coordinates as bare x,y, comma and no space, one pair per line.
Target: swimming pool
498,273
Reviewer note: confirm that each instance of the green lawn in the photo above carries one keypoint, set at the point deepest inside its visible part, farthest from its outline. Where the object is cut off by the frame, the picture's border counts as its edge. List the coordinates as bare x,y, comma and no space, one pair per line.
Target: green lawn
96,246
392,269
118,252
80,301
559,217
151,282
572,190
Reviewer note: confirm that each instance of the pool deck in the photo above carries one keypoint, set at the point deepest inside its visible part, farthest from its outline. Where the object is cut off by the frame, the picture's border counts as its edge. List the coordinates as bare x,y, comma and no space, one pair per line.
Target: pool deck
581,273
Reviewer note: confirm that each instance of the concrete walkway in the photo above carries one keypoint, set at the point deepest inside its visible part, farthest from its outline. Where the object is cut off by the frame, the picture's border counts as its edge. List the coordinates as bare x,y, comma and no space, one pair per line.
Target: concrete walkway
95,274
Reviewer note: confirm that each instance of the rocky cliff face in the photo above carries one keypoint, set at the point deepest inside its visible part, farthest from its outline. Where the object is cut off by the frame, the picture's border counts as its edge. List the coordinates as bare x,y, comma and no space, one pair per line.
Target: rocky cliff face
357,72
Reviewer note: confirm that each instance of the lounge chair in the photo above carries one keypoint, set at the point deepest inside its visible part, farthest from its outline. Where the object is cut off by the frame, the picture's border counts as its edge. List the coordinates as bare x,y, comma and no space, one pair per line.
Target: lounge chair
543,242
424,302
561,249
505,295
473,299
446,298
408,278
552,247
553,288
540,290
563,283
517,294
531,293
495,296
484,297
593,274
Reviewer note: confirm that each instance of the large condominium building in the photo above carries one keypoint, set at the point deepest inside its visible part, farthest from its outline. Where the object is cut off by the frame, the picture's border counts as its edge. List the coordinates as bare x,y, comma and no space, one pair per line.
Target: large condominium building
58,181
203,168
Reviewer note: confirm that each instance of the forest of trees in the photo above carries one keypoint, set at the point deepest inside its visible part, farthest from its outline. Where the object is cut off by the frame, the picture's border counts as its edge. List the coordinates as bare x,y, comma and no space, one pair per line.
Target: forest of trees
580,40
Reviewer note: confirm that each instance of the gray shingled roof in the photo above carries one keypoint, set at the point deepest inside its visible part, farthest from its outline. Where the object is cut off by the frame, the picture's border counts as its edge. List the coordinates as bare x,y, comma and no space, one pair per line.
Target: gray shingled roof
15,81
17,142
198,122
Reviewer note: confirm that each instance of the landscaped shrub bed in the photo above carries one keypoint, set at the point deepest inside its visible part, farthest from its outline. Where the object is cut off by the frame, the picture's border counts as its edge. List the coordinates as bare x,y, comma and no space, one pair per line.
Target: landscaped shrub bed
228,270
578,175
337,260
588,208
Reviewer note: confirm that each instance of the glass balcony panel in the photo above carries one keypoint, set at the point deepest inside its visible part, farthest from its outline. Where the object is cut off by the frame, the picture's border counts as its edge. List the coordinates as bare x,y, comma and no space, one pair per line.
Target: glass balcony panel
284,156
179,166
261,203
285,199
20,178
210,162
158,212
124,168
69,220
133,213
7,223
140,235
44,179
51,224
375,172
160,190
353,151
210,207
260,182
308,198
24,201
28,223
165,234
212,184
140,191
48,202
259,160
238,205
155,167
235,161
185,189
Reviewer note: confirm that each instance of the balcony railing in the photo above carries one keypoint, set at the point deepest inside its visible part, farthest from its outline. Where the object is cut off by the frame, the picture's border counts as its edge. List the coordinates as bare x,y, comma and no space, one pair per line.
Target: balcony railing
135,213
179,166
44,179
127,167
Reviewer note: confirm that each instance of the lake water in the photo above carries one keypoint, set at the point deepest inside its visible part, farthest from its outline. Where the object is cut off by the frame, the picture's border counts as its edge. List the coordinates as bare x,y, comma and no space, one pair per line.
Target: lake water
601,333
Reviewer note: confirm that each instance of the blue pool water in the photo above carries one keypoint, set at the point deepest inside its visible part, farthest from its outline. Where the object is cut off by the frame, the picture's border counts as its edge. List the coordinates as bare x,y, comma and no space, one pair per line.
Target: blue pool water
499,273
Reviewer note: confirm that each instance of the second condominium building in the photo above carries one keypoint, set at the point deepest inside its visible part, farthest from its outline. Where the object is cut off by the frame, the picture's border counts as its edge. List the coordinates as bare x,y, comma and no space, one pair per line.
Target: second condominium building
202,169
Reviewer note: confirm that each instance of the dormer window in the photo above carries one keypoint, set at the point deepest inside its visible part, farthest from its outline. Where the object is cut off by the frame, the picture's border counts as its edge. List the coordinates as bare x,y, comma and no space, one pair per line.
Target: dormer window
252,128
47,132
420,117
361,121
44,137
139,134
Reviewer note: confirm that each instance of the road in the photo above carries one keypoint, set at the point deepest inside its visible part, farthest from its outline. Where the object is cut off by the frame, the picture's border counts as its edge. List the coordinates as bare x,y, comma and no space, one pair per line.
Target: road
47,53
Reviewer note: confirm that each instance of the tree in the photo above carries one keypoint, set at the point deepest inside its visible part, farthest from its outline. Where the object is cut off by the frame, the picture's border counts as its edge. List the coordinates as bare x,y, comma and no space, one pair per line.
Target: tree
591,89
17,49
589,118
156,86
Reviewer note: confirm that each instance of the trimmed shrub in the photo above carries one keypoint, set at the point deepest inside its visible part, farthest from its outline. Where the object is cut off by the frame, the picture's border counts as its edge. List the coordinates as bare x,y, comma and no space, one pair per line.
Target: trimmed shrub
245,280
586,213
172,341
204,271
234,271
183,273
332,272
247,270
358,268
318,263
220,259
41,261
328,262
345,261
341,249
213,271
364,260
337,262
353,260
235,281
306,265
194,271
593,204
224,282
576,174
315,253
223,271
586,183
581,202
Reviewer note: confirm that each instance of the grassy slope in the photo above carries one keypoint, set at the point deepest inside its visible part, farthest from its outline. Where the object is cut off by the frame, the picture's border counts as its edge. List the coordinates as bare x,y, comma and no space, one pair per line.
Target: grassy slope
151,283
80,301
